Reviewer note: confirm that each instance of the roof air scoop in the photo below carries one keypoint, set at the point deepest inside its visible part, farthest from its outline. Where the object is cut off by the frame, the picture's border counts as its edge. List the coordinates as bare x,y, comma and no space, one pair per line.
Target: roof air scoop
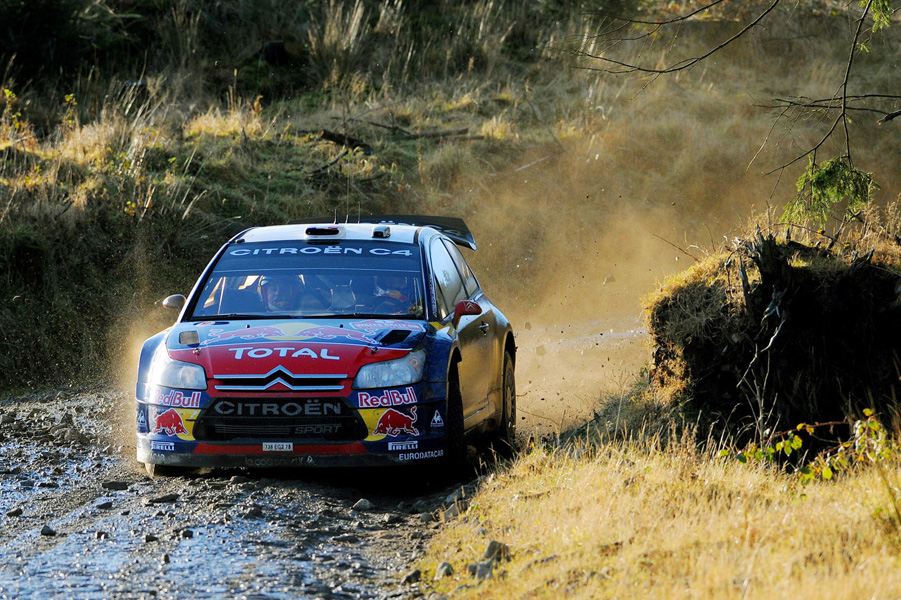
333,231
381,231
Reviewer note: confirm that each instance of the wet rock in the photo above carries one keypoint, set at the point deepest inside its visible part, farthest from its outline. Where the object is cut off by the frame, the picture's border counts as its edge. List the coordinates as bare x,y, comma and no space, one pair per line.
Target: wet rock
412,577
362,505
165,498
481,570
444,570
105,505
117,486
14,512
149,537
187,534
47,530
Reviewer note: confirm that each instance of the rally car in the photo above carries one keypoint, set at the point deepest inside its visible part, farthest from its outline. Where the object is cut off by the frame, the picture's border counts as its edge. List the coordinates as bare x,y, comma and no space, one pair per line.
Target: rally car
326,344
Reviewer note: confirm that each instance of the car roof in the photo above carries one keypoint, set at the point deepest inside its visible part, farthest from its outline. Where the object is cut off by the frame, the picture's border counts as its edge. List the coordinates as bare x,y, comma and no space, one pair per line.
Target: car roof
394,228
405,234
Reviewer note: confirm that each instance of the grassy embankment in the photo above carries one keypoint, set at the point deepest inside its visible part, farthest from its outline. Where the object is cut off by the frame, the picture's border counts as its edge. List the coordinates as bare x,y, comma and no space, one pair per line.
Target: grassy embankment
565,177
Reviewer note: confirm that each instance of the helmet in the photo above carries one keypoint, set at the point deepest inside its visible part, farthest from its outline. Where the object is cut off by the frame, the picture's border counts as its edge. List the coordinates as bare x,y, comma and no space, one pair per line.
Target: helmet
280,292
393,286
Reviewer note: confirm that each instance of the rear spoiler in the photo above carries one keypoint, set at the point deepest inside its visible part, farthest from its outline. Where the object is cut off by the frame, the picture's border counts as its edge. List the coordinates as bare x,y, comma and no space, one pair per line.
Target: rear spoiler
452,227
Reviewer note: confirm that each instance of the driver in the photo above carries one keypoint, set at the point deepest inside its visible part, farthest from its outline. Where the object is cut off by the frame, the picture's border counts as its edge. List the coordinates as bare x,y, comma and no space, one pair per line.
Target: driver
394,287
280,293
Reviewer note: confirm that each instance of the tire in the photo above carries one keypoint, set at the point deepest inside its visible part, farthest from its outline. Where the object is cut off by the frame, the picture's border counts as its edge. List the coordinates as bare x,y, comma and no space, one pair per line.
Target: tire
455,452
506,431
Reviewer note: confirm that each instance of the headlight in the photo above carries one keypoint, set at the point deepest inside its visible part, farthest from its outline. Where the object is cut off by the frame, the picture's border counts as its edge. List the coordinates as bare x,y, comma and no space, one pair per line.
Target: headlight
174,373
391,373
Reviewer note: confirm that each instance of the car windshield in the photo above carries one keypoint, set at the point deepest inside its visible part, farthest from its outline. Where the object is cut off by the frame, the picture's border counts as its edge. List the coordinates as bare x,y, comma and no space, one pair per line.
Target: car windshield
265,280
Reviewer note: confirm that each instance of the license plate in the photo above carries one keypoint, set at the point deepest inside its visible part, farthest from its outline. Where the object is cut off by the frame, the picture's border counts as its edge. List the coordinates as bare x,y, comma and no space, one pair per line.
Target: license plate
278,446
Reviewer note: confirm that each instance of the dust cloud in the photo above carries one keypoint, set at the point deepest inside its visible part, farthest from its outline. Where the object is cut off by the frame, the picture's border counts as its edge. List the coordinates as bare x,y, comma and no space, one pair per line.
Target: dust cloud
568,248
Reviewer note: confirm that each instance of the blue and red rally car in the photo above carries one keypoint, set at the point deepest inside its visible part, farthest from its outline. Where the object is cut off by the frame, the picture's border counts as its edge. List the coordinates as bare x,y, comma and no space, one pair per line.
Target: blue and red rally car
322,344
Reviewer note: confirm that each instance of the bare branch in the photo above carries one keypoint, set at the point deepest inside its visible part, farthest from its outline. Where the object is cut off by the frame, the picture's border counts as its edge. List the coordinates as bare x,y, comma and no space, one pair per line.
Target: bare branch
658,25
684,17
826,103
851,54
625,67
843,114
889,117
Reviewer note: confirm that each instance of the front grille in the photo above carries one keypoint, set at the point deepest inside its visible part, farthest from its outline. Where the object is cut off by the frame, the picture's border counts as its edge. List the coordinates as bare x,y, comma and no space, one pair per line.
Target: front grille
280,376
307,419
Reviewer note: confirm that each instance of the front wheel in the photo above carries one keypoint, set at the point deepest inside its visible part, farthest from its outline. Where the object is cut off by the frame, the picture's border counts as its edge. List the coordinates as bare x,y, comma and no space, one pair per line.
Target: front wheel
455,449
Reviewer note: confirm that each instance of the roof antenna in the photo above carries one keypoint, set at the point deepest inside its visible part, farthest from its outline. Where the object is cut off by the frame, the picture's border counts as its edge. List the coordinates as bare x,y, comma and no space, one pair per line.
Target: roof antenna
336,216
359,211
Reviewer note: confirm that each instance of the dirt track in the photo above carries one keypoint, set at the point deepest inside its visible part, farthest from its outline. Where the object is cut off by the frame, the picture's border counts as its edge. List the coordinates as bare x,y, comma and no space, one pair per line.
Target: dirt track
80,519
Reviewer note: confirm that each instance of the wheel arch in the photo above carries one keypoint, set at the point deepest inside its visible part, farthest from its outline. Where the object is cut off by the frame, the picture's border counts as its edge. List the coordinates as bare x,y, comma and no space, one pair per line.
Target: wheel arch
510,346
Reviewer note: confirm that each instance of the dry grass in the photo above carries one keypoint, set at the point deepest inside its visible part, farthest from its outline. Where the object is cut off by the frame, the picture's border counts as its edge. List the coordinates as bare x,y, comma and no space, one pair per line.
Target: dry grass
634,519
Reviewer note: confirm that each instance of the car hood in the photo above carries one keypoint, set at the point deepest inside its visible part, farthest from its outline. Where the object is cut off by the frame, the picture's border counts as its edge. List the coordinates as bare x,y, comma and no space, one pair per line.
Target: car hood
300,346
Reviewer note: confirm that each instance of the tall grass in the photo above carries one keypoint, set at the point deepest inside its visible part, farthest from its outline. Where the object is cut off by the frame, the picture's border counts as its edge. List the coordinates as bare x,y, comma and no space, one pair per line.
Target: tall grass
641,518
196,136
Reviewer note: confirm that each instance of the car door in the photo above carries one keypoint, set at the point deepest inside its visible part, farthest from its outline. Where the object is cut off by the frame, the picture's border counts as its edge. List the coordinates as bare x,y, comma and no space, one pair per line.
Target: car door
475,369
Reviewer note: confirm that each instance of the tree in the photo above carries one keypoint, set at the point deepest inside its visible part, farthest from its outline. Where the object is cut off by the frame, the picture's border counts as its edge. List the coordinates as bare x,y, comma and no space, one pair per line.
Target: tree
825,182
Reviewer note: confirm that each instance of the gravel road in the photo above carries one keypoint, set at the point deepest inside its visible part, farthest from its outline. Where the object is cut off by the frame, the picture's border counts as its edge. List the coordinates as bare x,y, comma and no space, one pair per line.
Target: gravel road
80,519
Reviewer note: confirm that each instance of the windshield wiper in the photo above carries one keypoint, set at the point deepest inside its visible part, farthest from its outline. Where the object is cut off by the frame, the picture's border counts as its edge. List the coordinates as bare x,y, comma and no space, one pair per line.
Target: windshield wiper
238,317
384,316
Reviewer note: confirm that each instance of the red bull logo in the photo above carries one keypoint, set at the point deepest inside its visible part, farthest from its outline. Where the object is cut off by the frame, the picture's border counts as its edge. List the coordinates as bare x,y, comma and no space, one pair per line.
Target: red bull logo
170,423
390,398
326,332
373,326
176,398
394,423
217,336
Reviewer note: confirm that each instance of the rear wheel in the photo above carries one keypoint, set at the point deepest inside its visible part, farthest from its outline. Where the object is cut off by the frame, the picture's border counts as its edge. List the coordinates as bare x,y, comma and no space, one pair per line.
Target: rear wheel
506,431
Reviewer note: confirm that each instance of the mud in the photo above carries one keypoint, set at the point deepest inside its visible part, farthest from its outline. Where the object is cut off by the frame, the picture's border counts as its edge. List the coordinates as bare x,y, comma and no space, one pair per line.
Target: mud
79,518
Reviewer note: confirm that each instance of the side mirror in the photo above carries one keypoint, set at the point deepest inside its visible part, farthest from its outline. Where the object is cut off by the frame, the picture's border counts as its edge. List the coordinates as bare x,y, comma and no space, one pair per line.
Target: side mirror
176,301
465,308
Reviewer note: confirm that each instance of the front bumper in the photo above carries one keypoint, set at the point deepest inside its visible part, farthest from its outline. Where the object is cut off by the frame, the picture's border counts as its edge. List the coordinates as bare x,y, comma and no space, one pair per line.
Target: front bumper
300,456
393,427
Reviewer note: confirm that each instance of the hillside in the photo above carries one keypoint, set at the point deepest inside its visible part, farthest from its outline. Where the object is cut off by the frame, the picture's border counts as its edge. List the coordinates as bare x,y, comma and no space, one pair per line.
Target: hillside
137,137
122,173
